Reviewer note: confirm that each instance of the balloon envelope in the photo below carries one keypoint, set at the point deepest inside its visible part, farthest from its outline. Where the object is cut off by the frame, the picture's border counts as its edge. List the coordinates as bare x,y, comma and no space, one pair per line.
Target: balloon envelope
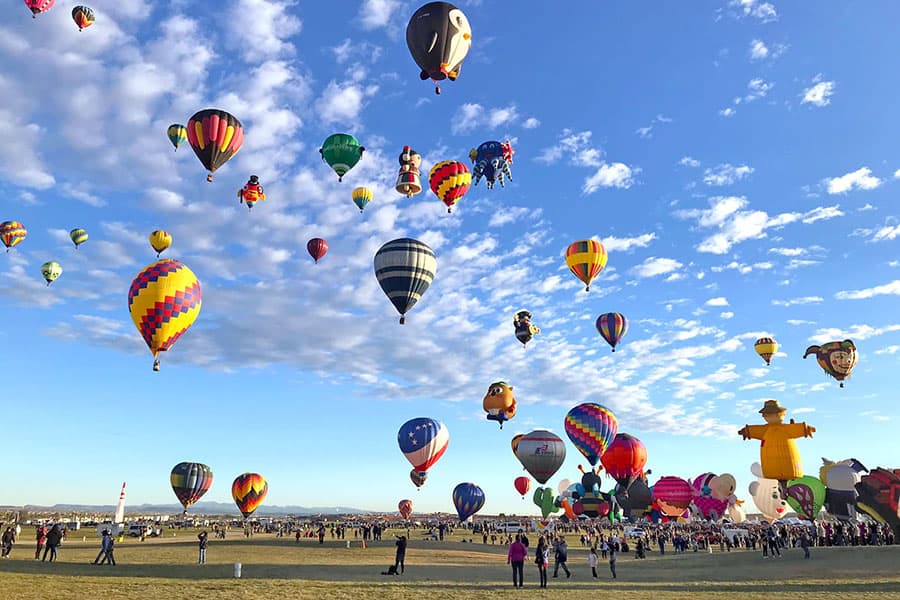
450,180
160,240
215,136
190,480
51,271
249,490
423,442
522,485
673,494
405,269
591,427
361,197
177,134
438,36
12,233
405,507
78,236
542,453
625,458
586,258
612,327
317,248
341,151
83,17
468,499
766,348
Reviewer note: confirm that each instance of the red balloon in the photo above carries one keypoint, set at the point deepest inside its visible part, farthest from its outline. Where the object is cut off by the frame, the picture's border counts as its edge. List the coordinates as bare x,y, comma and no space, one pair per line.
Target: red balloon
317,247
523,484
673,494
405,507
625,458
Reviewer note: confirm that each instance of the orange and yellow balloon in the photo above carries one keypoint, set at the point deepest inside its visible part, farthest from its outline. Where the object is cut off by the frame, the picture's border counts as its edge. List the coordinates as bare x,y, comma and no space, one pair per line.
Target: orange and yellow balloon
160,240
12,233
450,180
586,258
249,490
164,301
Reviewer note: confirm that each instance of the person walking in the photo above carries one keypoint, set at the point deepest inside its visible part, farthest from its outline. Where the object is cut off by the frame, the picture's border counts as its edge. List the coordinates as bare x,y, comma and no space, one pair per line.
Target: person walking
560,556
110,547
516,557
592,560
41,538
400,557
804,543
54,539
203,536
612,560
8,541
104,547
542,559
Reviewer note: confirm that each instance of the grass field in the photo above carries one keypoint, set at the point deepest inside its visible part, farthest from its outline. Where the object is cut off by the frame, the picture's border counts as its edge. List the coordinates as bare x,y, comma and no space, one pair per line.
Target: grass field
275,568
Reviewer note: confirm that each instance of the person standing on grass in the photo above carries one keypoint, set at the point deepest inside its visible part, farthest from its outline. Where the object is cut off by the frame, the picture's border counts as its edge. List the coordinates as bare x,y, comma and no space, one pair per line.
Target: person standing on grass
203,536
592,560
612,560
516,557
104,547
54,539
41,537
804,543
542,559
561,555
400,557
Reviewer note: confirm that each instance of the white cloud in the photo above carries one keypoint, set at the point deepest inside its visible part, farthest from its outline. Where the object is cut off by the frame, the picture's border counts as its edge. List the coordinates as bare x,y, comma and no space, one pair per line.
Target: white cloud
718,301
508,214
798,322
613,243
764,11
788,251
756,89
687,161
273,23
886,233
888,289
725,174
377,13
356,50
897,174
860,179
855,332
471,116
726,315
820,93
727,112
342,103
822,213
644,132
889,350
618,175
531,123
654,266
799,301
576,147
760,51
742,268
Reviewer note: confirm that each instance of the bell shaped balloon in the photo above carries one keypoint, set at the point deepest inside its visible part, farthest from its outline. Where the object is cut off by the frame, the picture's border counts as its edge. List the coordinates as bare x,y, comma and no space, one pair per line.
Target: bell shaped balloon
409,180
164,301
592,428
468,499
361,197
450,180
586,258
160,241
522,485
78,236
341,151
83,17
317,247
405,507
423,442
177,134
190,480
766,347
625,459
439,37
51,271
12,233
249,490
215,136
405,269
418,478
612,327
837,359
38,6
542,453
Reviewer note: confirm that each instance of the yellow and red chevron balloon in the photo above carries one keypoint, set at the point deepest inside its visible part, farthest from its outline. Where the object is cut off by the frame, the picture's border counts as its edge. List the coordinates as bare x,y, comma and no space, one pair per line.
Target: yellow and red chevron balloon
450,180
249,490
586,258
592,428
12,233
164,300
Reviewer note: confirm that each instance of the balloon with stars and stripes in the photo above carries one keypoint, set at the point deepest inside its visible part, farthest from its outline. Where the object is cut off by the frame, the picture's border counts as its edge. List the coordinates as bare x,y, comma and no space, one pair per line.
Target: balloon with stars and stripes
423,442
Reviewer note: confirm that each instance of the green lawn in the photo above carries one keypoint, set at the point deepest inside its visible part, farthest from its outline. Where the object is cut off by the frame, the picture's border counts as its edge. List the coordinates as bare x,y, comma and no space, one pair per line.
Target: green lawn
275,568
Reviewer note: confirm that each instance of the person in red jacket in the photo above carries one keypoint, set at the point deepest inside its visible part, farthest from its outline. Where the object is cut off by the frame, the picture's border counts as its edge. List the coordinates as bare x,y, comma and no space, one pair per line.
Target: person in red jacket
41,540
516,558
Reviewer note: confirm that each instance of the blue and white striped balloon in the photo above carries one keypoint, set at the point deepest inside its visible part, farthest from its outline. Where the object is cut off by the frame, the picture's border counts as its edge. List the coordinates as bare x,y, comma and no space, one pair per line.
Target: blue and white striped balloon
405,268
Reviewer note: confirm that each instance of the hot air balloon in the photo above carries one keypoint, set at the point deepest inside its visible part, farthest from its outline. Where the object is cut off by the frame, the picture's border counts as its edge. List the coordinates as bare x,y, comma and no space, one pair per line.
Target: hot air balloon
625,458
83,17
409,182
190,480
542,453
586,258
709,506
341,151
252,192
491,160
806,495
51,271
418,477
361,197
12,233
515,443
423,442
767,495
545,499
591,427
837,359
778,452
39,6
499,402
405,268
177,134
405,507
522,485
78,236
164,300
612,327
766,348
450,180
215,136
160,240
673,494
468,499
249,490
439,37
525,331
317,247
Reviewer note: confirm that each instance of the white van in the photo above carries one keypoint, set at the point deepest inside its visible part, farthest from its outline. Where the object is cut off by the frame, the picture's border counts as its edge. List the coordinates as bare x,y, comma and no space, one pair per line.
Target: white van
510,527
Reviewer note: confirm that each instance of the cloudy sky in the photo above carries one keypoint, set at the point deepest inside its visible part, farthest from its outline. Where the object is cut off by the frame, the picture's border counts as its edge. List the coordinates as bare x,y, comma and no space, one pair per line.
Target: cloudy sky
735,158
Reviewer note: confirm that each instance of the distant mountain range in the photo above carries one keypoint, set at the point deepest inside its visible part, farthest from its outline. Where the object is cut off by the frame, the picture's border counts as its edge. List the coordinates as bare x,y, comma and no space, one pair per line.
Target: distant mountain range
201,508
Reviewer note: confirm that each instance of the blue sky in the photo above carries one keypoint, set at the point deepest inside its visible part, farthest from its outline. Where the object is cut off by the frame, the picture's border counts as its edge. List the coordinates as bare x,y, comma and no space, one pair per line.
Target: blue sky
736,159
